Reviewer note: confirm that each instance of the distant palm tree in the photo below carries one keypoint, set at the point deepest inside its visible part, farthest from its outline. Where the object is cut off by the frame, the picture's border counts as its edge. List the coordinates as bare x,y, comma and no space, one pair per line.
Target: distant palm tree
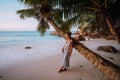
103,9
45,12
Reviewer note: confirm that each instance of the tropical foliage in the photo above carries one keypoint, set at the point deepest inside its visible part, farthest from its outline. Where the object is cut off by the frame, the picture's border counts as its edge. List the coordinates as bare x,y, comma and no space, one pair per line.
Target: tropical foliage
103,10
42,10
67,13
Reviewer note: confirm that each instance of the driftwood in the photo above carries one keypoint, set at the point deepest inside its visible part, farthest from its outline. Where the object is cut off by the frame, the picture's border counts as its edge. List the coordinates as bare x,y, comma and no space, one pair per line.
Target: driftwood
27,47
54,33
110,49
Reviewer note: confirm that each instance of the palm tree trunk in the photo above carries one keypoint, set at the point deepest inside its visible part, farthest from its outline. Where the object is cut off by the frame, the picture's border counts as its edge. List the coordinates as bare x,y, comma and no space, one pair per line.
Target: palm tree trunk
110,70
112,29
59,31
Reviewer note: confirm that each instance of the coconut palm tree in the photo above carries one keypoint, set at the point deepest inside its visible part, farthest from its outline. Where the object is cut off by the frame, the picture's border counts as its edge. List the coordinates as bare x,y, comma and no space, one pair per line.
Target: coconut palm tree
42,11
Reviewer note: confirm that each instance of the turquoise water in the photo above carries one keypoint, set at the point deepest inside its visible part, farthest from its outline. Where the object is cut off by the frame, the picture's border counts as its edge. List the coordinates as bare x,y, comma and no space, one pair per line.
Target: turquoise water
18,37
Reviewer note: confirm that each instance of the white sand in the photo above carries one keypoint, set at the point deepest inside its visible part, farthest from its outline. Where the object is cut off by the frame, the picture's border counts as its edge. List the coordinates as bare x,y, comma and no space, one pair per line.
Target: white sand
43,61
40,50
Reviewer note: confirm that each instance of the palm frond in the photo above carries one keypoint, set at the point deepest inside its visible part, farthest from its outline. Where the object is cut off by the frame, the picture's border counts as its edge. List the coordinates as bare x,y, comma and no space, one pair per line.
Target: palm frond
70,23
57,16
26,13
31,2
92,8
58,20
98,2
95,3
42,26
105,4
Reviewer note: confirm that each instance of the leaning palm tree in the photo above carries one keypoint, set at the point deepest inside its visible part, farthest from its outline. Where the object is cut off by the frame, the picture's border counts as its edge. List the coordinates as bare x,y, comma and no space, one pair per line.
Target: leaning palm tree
42,11
45,14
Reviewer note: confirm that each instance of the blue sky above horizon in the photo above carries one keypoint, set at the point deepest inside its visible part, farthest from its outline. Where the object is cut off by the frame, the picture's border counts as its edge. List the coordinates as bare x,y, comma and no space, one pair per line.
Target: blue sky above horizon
10,21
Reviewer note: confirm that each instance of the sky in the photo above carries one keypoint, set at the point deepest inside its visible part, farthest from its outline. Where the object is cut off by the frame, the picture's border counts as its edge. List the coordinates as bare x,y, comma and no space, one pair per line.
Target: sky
10,21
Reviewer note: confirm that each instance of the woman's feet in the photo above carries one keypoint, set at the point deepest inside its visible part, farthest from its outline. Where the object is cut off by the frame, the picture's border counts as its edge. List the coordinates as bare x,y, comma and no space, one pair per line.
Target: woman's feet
62,69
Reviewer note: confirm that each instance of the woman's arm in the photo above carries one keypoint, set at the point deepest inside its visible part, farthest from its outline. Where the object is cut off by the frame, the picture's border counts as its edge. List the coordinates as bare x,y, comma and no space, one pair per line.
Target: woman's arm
70,49
63,48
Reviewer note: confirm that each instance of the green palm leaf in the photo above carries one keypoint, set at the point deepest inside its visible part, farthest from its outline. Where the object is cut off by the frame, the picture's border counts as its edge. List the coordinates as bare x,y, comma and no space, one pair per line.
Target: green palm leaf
96,4
70,23
42,26
26,13
92,9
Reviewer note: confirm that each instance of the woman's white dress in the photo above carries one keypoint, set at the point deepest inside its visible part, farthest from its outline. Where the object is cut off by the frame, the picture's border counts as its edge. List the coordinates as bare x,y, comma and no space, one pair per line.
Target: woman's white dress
66,59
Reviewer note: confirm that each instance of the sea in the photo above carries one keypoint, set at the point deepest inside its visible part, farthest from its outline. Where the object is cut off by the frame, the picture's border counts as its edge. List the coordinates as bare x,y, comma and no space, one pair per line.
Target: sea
20,37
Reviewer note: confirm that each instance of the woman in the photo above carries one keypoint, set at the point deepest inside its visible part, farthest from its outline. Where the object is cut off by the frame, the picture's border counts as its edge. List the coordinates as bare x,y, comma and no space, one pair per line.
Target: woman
67,50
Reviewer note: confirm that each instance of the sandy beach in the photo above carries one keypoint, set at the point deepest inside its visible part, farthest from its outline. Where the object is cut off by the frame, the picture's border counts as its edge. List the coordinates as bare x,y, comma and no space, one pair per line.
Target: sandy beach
33,33
42,61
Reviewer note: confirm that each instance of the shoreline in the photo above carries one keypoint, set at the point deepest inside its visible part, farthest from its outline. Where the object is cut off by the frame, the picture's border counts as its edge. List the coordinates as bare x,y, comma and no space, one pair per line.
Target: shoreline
42,61
46,69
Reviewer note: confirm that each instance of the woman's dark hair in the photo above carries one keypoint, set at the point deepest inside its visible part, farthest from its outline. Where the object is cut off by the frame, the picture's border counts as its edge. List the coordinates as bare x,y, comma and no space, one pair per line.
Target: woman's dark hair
69,33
